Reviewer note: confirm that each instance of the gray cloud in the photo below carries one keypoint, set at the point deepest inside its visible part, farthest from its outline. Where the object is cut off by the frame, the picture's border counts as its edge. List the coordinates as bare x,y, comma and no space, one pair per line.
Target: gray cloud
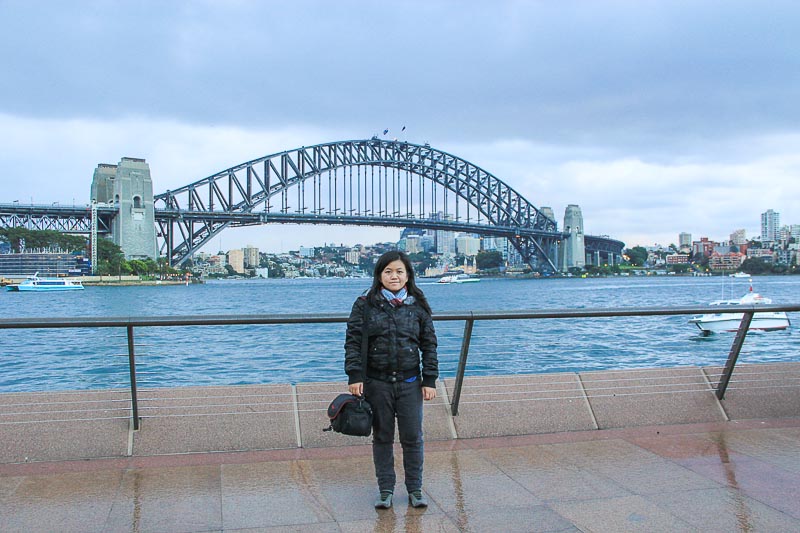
531,91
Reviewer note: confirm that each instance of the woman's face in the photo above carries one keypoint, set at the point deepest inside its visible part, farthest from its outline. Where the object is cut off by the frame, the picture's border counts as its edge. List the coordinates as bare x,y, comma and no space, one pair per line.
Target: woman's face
394,276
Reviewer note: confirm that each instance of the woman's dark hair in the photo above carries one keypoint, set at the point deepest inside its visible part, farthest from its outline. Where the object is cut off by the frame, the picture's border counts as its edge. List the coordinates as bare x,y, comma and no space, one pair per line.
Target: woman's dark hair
374,292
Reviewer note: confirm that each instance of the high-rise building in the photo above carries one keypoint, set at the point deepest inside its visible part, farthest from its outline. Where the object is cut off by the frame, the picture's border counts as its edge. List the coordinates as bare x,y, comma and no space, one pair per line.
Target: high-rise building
468,245
251,257
236,260
770,225
739,237
445,242
413,244
684,240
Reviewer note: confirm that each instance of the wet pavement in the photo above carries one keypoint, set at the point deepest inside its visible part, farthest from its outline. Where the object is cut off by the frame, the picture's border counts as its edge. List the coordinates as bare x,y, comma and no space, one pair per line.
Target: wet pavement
722,476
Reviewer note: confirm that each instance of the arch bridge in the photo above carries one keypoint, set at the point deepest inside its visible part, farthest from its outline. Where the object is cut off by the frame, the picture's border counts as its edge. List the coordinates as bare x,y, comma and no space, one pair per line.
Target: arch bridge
371,182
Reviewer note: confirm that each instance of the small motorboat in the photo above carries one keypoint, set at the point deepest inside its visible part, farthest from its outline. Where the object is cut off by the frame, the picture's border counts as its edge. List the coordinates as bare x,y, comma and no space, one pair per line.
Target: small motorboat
761,321
458,278
35,283
739,275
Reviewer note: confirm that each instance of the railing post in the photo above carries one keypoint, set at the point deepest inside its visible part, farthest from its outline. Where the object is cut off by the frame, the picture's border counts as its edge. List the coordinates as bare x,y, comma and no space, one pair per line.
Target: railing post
462,365
736,347
132,365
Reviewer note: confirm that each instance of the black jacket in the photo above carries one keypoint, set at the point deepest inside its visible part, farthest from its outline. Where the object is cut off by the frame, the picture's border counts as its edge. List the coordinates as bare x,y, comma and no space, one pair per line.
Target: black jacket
397,335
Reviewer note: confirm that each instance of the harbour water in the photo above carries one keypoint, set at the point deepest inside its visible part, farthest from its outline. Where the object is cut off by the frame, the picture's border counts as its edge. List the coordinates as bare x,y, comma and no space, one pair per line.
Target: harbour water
86,358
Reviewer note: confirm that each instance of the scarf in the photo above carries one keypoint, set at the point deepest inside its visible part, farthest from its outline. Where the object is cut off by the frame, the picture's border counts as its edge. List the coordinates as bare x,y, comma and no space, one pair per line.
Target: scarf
395,299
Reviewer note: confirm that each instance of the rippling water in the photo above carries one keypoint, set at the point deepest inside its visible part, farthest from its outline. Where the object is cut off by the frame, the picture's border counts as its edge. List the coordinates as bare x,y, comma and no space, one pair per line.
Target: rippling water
223,355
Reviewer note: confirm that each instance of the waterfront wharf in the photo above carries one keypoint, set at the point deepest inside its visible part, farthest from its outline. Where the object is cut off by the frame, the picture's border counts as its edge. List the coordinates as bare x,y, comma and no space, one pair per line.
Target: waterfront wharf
689,448
594,451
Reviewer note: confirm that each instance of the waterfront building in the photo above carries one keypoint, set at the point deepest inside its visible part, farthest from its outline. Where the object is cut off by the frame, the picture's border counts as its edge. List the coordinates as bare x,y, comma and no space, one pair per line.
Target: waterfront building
678,259
770,226
307,252
785,257
236,260
765,254
352,257
726,261
47,263
704,247
128,186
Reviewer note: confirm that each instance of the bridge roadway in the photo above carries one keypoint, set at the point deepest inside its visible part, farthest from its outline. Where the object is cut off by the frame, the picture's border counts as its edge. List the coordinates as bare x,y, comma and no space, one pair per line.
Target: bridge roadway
216,459
77,219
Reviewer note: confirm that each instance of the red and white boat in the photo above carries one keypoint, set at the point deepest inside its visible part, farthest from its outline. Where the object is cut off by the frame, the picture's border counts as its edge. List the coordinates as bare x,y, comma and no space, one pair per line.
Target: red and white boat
761,321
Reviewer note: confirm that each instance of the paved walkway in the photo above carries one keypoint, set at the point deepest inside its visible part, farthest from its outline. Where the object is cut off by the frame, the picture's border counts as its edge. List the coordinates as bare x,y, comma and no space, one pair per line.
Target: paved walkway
733,476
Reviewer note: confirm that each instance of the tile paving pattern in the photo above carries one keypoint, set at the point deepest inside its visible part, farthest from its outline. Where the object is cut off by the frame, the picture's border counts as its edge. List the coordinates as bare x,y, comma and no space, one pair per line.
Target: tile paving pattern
734,476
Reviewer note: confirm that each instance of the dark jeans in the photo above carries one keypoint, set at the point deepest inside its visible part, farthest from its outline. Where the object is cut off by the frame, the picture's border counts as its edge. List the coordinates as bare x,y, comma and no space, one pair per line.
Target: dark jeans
401,401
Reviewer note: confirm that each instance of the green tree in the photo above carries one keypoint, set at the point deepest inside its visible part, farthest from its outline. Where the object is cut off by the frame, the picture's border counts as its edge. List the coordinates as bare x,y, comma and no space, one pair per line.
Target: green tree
755,265
637,255
42,239
488,259
679,268
422,261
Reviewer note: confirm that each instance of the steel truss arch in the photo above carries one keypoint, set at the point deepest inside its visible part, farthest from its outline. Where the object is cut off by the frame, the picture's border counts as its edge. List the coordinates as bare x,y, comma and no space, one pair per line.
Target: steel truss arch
190,216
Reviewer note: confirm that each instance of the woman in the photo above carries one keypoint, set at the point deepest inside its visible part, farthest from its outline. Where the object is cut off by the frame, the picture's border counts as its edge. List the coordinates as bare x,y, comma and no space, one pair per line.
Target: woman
401,338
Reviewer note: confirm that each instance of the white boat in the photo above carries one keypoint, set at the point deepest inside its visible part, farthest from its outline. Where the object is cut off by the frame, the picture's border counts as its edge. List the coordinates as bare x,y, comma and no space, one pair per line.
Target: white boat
35,283
458,278
739,275
761,321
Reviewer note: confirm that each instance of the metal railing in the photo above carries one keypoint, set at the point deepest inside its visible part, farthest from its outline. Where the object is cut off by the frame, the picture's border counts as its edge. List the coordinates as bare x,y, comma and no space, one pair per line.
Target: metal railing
468,317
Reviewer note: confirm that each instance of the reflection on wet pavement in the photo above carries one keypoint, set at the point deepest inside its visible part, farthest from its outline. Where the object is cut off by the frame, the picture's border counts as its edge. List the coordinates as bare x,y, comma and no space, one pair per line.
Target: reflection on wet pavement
703,477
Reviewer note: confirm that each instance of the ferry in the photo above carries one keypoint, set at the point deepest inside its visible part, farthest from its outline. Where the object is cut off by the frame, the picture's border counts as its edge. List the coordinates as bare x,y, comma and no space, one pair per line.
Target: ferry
459,278
35,283
761,321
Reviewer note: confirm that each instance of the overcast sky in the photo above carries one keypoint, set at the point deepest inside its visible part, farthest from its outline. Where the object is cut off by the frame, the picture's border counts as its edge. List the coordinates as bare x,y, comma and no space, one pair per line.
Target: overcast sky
656,117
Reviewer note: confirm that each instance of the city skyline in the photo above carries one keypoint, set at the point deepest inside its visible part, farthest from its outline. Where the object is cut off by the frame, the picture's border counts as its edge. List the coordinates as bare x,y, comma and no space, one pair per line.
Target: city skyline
647,115
398,231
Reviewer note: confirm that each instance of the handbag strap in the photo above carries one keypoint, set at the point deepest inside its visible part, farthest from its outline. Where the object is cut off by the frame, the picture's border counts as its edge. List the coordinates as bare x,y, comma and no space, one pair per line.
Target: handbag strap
364,342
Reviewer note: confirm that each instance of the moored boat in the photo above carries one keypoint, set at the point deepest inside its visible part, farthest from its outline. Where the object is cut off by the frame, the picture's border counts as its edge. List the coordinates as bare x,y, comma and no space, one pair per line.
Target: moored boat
35,283
761,321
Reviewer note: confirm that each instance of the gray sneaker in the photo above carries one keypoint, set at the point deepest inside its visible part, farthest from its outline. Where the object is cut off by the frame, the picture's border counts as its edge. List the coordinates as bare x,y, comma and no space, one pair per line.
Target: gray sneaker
417,499
384,500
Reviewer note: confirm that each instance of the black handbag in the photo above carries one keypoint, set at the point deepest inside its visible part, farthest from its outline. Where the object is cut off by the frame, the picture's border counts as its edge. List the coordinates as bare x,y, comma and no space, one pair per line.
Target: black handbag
350,414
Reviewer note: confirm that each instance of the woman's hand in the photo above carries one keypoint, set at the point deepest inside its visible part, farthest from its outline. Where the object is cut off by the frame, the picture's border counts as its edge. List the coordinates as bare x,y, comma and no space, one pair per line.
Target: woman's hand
356,389
428,393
